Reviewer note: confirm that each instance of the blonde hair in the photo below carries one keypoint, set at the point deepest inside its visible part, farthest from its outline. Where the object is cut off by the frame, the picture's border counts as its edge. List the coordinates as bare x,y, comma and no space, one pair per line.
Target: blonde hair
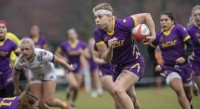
27,41
191,19
27,100
195,8
105,6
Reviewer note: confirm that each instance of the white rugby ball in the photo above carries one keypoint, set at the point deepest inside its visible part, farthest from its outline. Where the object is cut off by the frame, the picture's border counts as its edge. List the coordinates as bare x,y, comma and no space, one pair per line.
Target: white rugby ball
140,32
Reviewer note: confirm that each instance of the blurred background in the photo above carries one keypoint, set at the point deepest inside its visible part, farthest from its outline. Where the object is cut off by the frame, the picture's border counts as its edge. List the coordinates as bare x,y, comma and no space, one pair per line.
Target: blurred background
54,17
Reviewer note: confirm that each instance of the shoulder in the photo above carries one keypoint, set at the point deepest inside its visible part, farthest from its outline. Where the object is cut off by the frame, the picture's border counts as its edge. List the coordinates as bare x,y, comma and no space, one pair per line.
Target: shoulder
10,35
179,27
190,28
159,33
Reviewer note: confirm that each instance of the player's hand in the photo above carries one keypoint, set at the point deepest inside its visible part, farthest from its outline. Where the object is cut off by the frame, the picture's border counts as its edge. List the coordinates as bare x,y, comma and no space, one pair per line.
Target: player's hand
158,68
71,67
112,42
191,57
180,60
150,39
17,92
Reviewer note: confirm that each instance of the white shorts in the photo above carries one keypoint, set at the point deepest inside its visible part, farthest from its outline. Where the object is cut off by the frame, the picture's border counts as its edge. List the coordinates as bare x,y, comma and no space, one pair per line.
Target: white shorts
176,75
41,77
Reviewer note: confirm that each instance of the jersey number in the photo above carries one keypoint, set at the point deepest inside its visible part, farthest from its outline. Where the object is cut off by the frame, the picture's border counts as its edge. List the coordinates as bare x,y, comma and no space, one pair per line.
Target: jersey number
3,103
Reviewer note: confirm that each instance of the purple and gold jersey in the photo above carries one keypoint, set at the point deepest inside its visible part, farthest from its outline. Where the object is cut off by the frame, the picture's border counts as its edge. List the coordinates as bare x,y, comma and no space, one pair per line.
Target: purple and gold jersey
171,43
124,51
194,32
40,42
6,48
9,103
73,52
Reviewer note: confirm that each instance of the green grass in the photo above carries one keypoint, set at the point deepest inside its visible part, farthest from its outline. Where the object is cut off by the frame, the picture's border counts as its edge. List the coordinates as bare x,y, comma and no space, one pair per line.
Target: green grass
149,98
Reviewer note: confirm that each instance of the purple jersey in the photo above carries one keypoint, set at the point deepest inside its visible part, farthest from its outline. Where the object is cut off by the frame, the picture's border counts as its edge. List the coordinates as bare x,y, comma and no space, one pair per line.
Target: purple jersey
73,52
124,51
9,103
172,43
40,42
194,32
6,48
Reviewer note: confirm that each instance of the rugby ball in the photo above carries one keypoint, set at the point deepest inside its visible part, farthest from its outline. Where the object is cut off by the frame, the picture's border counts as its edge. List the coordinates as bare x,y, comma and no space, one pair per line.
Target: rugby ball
140,32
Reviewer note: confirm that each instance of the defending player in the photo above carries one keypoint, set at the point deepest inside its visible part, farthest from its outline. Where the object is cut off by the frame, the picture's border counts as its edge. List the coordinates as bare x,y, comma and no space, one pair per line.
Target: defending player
194,32
114,42
176,69
6,47
25,101
73,51
42,76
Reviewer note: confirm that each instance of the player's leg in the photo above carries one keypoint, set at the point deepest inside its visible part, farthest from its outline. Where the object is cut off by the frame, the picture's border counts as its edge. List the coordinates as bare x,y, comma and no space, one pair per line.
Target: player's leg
78,81
74,87
175,82
123,82
108,84
188,92
36,90
72,83
132,93
96,83
197,81
49,88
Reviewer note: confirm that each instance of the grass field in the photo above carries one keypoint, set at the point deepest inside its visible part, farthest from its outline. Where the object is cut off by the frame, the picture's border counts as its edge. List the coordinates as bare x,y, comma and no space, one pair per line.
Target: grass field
149,98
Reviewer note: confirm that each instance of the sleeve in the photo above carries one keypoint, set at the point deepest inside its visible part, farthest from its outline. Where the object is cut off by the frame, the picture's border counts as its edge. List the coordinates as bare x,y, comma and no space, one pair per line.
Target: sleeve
95,50
47,56
63,47
98,38
128,22
183,33
13,37
14,47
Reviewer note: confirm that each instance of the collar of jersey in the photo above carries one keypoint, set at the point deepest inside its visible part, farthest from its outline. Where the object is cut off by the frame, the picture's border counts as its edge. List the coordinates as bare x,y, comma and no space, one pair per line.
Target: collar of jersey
166,33
74,44
113,28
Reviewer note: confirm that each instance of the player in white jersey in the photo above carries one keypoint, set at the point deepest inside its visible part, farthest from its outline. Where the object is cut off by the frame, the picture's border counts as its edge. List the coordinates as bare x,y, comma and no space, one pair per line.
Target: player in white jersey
42,73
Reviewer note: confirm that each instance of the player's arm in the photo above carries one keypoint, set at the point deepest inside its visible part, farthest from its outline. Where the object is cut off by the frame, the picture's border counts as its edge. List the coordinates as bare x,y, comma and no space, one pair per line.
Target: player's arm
15,73
151,51
62,62
97,59
59,53
147,18
107,52
189,48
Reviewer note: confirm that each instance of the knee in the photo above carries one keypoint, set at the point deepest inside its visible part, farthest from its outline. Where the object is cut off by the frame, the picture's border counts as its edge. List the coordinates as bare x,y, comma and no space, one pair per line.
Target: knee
49,102
118,91
74,86
180,92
